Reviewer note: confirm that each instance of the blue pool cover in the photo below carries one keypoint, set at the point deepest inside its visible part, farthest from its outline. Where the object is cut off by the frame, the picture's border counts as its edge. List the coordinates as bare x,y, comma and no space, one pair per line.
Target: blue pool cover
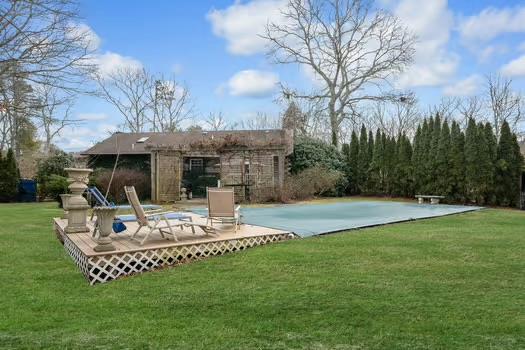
314,219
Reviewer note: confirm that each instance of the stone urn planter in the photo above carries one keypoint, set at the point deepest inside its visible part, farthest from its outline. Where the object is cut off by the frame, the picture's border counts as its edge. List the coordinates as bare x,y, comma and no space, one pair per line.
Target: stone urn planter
104,226
77,205
65,202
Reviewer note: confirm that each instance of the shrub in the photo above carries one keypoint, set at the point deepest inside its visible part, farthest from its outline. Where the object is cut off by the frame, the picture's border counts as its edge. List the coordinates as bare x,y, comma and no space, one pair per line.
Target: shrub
9,177
55,185
52,169
310,152
54,165
121,178
316,180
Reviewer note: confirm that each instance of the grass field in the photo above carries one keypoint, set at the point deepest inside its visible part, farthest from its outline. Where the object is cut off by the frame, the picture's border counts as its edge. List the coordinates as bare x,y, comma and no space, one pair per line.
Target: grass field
456,282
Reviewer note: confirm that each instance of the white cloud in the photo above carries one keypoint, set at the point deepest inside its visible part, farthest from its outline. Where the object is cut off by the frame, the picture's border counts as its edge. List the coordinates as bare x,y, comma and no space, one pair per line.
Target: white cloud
253,83
492,22
466,87
242,23
515,67
82,30
92,116
80,138
433,64
109,62
491,50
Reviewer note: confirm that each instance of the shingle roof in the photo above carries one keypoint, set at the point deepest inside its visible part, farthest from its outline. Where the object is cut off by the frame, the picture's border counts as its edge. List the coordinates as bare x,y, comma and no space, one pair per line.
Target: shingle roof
126,143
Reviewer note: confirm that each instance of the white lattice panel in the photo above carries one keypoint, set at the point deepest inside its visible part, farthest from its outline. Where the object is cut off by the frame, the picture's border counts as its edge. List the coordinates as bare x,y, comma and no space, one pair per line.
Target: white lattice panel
104,268
80,259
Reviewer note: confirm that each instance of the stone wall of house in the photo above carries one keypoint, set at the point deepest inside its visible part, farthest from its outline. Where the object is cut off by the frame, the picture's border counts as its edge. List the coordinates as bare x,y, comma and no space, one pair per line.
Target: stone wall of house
255,175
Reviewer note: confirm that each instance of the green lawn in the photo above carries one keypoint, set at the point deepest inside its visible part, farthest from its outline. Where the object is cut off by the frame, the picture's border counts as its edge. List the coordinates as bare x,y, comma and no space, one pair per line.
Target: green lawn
452,282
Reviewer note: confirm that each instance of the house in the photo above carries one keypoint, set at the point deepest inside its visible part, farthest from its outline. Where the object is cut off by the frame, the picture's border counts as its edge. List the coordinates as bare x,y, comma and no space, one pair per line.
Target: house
251,161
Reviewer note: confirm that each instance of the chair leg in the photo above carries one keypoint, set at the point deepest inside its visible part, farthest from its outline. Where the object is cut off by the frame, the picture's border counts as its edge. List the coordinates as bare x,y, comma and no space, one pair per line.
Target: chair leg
146,236
136,231
192,227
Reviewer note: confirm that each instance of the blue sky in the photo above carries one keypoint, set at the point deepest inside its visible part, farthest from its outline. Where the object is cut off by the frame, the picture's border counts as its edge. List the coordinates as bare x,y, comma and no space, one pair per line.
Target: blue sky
212,46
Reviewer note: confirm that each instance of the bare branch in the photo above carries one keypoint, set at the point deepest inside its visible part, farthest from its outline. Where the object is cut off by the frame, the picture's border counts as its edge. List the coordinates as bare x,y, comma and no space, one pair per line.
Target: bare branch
348,46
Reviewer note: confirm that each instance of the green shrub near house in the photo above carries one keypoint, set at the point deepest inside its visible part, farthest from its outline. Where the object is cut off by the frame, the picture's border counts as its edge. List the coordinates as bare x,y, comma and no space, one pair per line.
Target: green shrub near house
317,168
9,177
51,177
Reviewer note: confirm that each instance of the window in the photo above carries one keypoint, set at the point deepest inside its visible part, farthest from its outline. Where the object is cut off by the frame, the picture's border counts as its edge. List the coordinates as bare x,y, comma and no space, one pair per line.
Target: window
196,164
276,170
143,139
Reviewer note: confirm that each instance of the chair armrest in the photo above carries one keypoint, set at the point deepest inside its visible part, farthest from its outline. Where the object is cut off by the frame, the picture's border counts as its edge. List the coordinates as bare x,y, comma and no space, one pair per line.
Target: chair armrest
153,211
162,213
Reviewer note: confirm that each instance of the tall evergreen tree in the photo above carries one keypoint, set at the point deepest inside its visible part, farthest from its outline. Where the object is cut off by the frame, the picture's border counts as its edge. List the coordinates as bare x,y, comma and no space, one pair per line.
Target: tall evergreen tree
508,169
375,173
457,163
471,160
432,171
442,165
417,159
354,162
370,145
492,145
485,165
345,154
403,184
389,164
10,178
363,160
426,161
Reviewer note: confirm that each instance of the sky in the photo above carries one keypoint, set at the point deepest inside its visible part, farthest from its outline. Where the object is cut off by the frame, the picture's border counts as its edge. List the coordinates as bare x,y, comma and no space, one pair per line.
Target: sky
213,48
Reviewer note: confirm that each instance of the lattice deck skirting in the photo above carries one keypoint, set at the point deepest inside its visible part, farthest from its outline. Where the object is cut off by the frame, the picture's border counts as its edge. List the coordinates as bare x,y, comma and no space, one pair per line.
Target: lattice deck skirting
104,268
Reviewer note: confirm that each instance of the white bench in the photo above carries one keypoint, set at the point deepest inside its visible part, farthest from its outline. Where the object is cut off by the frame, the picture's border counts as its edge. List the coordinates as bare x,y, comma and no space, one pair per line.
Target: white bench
433,199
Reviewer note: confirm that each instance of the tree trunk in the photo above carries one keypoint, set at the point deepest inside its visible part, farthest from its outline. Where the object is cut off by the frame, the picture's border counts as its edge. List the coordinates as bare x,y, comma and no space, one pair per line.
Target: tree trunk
334,125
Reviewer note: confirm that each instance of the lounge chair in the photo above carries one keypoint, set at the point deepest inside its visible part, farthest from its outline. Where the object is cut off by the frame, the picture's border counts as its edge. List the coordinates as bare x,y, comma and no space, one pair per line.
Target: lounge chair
159,221
103,202
221,207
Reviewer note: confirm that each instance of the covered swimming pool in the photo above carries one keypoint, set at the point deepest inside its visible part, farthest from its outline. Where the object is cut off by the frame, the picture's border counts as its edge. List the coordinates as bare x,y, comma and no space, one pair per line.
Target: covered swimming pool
314,219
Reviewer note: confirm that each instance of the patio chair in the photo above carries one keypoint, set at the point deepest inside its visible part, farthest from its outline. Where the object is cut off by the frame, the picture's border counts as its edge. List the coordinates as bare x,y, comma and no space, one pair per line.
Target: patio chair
101,201
221,207
160,221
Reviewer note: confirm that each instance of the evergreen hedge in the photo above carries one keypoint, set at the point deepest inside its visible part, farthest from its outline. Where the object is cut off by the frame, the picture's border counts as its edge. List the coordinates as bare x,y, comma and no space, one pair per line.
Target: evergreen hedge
469,166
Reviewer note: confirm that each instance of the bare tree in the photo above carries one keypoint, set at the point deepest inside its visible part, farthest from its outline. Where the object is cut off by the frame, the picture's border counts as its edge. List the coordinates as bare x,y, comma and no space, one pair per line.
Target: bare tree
216,121
53,113
351,49
470,108
41,43
396,117
16,101
171,105
129,90
44,40
504,103
447,108
260,121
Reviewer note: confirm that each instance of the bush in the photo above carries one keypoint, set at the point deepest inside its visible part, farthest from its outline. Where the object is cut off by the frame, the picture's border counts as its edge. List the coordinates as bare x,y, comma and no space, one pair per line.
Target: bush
54,165
55,185
310,152
9,177
121,178
52,169
313,181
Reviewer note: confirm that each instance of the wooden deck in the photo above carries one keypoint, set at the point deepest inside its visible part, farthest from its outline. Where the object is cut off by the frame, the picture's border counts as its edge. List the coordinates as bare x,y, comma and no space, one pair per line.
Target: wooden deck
131,258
